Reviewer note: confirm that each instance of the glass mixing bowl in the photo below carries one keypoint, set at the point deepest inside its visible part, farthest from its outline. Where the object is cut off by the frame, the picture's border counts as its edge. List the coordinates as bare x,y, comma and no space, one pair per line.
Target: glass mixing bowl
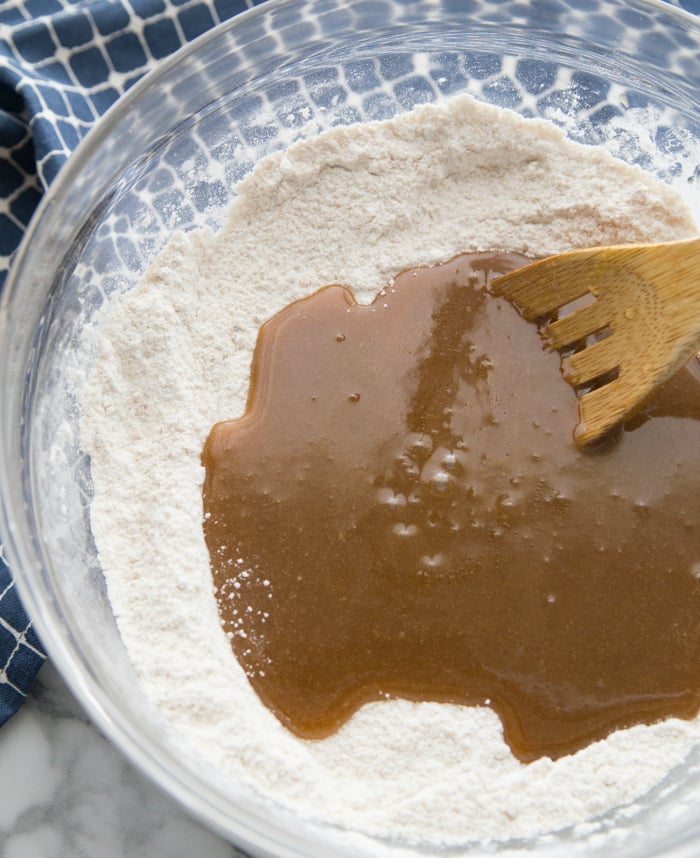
621,73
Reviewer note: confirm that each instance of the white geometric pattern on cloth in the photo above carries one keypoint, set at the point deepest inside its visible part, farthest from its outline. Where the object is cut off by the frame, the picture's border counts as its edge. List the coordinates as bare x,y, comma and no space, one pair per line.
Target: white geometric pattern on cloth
62,65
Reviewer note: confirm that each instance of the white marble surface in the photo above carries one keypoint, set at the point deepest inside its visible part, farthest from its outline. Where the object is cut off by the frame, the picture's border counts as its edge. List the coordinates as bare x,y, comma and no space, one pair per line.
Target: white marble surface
65,792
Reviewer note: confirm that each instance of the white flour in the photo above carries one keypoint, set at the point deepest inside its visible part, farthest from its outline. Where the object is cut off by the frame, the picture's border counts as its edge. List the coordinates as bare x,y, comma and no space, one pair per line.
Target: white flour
355,205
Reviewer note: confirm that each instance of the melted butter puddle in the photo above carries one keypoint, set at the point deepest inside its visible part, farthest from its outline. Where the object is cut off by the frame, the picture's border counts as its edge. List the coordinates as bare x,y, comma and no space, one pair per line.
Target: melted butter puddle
402,512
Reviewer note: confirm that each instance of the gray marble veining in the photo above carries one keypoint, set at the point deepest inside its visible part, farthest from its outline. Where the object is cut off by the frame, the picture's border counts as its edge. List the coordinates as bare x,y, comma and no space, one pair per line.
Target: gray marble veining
65,792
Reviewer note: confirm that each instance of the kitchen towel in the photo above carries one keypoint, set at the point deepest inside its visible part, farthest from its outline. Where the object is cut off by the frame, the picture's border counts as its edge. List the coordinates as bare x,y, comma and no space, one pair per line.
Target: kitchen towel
62,64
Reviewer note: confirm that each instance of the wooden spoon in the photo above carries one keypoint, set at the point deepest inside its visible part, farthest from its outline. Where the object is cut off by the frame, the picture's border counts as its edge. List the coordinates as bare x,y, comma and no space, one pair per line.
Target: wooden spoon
640,325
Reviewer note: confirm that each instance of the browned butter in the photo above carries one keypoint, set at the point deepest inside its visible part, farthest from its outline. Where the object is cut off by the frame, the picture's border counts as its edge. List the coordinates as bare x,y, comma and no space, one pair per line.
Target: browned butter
402,512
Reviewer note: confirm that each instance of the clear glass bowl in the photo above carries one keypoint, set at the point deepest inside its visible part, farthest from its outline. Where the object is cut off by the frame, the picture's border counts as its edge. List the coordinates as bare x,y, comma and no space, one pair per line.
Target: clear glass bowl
623,73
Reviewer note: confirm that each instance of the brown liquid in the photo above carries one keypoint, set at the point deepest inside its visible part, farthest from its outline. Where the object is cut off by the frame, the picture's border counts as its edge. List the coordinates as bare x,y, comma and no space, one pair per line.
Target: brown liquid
402,512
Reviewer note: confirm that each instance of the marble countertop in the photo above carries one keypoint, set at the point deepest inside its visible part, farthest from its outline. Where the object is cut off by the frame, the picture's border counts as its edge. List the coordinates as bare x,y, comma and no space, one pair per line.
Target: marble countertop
67,793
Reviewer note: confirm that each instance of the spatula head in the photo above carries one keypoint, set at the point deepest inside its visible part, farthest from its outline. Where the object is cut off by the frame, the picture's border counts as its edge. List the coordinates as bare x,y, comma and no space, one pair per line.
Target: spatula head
624,318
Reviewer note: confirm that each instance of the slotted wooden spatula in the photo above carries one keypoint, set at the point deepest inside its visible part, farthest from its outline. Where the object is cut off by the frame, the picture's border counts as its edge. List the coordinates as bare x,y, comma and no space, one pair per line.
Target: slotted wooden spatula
644,310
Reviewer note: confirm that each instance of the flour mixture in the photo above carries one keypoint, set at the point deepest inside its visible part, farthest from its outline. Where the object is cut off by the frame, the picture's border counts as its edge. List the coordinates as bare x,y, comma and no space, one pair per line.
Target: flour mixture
353,206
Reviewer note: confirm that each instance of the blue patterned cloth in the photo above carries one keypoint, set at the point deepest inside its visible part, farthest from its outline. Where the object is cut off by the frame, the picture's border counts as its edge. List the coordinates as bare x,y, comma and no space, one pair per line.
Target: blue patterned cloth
62,64
21,654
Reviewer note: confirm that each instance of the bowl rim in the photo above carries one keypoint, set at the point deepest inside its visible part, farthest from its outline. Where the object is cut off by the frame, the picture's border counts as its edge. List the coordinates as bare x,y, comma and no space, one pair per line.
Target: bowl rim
104,123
